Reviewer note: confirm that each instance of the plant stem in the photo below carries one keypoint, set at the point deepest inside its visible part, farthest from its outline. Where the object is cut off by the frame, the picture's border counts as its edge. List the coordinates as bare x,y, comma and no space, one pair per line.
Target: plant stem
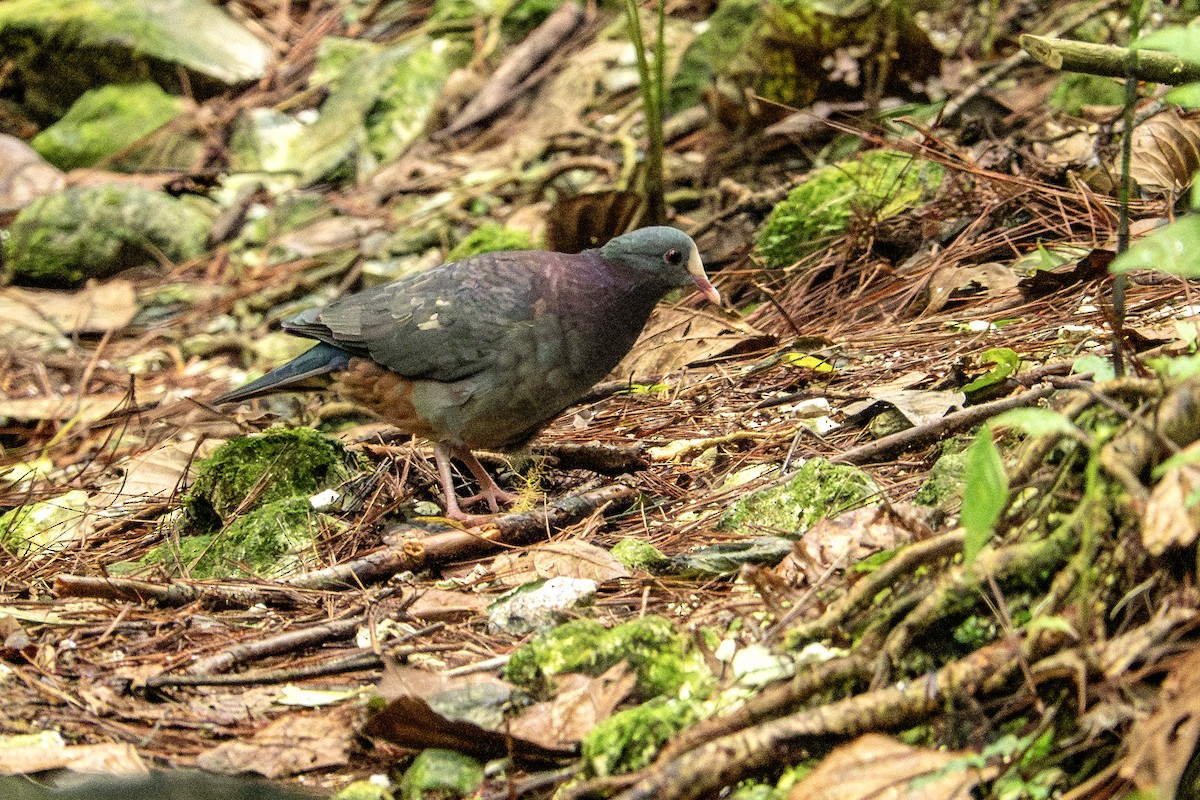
652,88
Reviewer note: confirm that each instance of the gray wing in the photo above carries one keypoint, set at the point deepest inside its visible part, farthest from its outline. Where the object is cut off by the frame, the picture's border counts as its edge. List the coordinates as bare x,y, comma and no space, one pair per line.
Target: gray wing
444,324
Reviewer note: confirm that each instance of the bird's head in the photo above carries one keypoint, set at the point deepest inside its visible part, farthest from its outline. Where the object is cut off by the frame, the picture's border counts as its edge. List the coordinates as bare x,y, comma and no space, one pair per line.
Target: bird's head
664,255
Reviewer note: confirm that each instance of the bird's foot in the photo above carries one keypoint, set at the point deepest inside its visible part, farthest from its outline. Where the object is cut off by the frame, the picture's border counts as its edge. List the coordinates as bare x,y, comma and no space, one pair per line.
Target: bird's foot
495,497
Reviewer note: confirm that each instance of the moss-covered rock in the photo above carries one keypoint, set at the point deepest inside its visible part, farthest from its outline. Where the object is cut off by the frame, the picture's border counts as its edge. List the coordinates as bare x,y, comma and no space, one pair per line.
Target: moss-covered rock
438,774
654,649
63,239
377,105
629,740
489,238
636,554
105,121
818,490
251,471
58,49
272,540
880,184
944,484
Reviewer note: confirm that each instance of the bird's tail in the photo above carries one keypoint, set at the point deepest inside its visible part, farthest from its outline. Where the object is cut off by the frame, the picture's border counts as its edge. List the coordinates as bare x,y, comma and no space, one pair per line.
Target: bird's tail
305,372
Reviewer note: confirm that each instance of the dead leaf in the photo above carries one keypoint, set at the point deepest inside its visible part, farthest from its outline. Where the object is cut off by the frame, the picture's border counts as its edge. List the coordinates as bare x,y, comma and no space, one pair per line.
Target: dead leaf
579,703
441,605
1169,521
290,745
24,175
589,220
82,410
47,752
957,283
846,539
918,406
1160,746
675,337
158,473
410,722
96,308
1166,152
571,558
879,767
335,233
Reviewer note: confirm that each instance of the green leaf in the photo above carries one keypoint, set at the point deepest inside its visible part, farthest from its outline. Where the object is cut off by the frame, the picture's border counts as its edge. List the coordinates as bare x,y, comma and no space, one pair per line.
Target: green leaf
1186,96
1100,367
1180,459
1171,249
1183,41
1034,422
984,495
1006,362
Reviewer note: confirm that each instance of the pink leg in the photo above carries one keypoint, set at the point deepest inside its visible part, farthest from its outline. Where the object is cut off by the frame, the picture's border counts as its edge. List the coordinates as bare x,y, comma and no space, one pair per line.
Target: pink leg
489,491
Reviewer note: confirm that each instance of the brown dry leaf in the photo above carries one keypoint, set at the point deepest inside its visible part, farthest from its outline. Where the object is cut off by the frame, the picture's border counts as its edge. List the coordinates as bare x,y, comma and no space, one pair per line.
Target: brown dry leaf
954,283
410,722
882,768
329,234
24,175
571,558
82,410
917,405
441,605
1160,746
1166,152
96,308
1169,520
48,752
675,337
843,540
158,473
403,680
290,745
579,703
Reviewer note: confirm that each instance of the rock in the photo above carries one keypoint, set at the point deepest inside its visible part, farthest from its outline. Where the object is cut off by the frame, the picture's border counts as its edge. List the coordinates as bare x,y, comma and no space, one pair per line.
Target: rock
61,48
65,238
105,121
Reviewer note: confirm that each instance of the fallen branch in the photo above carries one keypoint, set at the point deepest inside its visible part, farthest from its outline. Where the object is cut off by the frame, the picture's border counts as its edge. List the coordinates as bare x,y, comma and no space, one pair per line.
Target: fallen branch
505,531
924,435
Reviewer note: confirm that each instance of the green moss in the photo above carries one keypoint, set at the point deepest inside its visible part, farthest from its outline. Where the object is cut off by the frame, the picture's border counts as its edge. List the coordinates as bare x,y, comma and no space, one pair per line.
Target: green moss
363,790
629,740
655,651
818,490
881,184
105,121
436,774
944,484
636,554
93,232
488,238
272,540
275,465
1074,91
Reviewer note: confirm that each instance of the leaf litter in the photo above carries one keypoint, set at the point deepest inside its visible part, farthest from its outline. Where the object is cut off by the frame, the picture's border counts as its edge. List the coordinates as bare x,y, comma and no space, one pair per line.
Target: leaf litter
901,618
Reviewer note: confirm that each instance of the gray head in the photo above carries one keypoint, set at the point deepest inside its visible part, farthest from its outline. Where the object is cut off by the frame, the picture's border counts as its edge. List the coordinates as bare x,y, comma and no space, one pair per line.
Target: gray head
666,255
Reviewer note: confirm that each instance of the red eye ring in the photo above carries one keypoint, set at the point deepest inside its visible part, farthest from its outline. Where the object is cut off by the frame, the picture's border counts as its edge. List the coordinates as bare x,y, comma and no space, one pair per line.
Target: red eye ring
673,257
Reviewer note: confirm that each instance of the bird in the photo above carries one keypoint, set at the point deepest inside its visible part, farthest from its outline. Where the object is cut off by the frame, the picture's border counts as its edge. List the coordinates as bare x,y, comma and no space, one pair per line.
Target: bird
482,353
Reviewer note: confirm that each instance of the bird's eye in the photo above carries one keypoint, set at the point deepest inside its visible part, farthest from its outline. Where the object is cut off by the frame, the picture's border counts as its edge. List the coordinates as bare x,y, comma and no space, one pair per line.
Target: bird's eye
673,257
